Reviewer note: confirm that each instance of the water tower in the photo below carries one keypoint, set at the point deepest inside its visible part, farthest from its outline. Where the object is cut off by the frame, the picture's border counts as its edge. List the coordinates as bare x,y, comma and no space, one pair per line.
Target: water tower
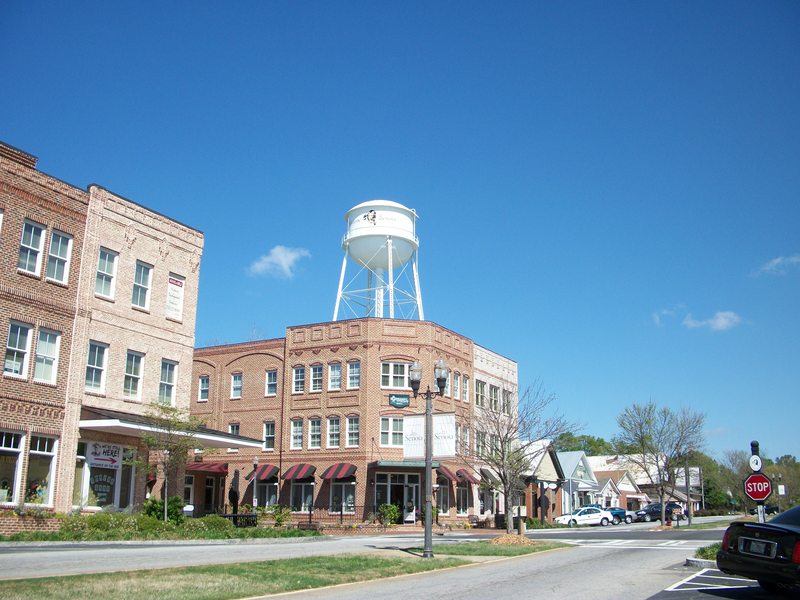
381,240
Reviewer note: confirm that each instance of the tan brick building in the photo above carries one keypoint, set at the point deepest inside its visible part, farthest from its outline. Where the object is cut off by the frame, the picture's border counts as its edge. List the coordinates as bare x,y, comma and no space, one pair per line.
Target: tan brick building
331,403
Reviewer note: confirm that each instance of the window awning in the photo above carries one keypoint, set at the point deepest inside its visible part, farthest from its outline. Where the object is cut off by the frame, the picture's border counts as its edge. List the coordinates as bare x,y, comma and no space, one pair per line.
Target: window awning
263,472
446,473
465,475
207,467
489,475
339,471
300,471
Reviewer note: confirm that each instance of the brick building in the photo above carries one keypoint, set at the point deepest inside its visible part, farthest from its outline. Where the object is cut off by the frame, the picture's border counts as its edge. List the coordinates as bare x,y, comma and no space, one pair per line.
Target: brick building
97,314
331,403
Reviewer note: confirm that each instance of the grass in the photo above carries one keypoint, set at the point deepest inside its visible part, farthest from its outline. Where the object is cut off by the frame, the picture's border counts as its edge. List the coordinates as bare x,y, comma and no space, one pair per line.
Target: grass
489,549
708,552
221,582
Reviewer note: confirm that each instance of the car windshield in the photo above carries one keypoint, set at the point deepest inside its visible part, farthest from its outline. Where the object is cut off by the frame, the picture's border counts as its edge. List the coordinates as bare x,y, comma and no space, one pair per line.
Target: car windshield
576,511
790,517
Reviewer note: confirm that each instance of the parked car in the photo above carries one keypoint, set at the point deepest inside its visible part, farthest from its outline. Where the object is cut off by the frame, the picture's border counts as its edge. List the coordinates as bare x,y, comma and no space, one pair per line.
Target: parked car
767,552
618,514
588,515
770,509
652,512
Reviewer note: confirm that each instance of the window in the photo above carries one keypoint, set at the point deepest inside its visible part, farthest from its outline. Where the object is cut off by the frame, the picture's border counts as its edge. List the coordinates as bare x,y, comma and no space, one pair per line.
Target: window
333,432
297,435
462,498
30,248
443,496
271,385
106,273
96,367
480,443
298,380
269,435
202,388
456,382
465,440
353,375
447,383
141,285
233,429
392,431
394,375
343,497
352,432
480,393
58,258
100,486
188,490
18,349
267,493
236,385
47,349
334,376
315,433
131,387
316,378
302,496
10,448
494,397
166,386
38,488
465,390
506,407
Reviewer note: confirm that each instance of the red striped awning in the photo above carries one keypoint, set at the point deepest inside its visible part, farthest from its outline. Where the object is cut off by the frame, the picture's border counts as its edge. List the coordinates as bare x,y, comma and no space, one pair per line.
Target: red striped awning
206,467
465,475
339,471
300,471
446,473
263,472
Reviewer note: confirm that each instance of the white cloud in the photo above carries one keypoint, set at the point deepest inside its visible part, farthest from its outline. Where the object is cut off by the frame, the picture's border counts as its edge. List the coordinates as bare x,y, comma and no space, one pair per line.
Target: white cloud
666,313
779,266
280,262
721,321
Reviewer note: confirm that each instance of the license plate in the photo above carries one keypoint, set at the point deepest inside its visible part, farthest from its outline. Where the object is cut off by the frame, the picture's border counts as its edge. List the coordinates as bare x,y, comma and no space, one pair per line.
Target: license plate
757,547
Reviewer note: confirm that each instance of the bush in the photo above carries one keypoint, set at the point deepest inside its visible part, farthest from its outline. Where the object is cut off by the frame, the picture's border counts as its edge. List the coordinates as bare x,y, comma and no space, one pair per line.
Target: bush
388,514
531,523
281,514
155,508
710,512
708,552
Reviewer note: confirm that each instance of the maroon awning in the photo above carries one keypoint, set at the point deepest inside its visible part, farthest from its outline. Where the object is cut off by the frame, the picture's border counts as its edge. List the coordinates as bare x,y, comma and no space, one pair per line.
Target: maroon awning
339,471
263,472
465,475
300,471
446,473
207,467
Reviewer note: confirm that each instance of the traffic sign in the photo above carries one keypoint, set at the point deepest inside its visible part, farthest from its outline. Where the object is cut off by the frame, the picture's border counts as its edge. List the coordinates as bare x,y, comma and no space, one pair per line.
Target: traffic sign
757,487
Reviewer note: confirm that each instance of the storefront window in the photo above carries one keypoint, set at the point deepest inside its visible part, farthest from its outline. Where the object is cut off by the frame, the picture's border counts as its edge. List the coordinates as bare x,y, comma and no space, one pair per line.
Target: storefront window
343,497
40,465
10,444
102,477
267,494
443,496
462,498
302,496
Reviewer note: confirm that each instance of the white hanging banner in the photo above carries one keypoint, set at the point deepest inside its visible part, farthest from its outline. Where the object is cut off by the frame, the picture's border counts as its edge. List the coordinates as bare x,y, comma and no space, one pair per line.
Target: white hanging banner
174,307
444,435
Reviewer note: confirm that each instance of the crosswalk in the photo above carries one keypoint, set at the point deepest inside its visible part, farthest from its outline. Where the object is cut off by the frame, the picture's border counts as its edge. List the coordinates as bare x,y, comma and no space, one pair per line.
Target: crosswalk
655,544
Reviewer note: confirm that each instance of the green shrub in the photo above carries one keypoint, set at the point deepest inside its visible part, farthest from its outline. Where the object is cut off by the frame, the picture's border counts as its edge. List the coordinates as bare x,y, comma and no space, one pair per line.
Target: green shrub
214,523
531,523
282,514
155,508
388,514
708,552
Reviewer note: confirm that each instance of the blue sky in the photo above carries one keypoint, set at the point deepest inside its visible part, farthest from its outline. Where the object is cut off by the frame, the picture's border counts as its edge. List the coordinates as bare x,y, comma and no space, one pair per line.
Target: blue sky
608,193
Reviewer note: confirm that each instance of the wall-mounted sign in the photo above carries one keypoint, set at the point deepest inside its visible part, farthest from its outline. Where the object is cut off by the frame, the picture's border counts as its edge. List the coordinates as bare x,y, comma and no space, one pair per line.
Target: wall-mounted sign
399,400
174,307
108,456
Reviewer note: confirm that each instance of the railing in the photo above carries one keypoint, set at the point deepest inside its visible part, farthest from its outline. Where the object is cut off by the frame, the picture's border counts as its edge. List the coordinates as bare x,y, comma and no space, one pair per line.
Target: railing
242,519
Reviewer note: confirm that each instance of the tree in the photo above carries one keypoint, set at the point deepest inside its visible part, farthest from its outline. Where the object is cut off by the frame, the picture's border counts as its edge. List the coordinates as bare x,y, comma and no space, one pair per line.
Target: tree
592,446
508,431
169,442
660,440
735,468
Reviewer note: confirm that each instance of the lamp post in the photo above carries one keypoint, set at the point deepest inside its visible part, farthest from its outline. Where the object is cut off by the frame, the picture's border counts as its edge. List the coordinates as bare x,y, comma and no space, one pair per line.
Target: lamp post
255,482
415,376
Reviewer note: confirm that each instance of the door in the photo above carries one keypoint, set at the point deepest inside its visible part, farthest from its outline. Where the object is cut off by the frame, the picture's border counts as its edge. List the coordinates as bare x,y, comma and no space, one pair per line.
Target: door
410,502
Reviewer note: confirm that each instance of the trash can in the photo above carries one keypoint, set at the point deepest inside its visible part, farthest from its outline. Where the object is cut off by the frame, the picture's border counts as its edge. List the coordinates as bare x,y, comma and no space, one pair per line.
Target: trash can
500,521
188,510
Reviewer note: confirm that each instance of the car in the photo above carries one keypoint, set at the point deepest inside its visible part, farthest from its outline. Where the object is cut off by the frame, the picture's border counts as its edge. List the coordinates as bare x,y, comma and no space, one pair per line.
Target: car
618,514
769,509
767,552
588,515
652,512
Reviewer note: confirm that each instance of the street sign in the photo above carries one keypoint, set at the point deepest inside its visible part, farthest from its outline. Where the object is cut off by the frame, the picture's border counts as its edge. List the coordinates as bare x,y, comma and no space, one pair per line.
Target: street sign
757,487
755,462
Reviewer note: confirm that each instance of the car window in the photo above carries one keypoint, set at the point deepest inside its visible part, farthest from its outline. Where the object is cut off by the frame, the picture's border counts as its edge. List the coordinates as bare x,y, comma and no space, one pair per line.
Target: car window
790,517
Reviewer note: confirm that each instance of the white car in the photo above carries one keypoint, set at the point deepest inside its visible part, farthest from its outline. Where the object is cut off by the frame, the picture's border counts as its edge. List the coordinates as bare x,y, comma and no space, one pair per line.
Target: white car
586,516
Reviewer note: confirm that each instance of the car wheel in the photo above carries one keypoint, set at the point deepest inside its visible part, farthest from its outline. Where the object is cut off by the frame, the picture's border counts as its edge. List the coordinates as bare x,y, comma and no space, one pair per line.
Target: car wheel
628,519
616,521
647,518
573,523
603,521
770,586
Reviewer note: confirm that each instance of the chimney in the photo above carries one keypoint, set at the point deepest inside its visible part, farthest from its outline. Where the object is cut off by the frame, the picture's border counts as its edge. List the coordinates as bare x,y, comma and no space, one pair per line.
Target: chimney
18,156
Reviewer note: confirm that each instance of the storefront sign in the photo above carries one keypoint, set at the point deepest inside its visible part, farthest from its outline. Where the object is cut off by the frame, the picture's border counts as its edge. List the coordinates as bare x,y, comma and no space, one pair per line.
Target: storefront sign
175,286
107,456
399,400
444,435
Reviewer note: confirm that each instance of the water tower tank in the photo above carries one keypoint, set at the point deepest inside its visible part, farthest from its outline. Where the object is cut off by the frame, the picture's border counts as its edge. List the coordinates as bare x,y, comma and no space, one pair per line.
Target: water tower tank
369,224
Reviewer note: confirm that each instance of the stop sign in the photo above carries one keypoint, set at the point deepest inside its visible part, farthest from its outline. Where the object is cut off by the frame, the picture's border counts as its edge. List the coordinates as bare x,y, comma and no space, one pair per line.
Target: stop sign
757,487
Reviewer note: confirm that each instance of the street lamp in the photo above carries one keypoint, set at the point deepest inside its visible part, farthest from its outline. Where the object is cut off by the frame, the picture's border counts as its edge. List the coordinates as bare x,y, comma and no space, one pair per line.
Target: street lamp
255,482
415,376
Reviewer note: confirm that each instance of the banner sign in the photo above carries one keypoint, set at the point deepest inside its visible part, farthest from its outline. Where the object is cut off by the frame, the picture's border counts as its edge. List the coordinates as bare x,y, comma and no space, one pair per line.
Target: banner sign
107,456
444,435
174,308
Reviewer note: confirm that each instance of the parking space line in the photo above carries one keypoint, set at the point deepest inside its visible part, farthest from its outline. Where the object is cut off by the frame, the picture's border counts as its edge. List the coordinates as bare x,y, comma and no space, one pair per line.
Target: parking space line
690,583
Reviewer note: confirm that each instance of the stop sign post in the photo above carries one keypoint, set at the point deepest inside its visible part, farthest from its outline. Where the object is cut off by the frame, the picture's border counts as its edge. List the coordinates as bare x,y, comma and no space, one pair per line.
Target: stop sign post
758,487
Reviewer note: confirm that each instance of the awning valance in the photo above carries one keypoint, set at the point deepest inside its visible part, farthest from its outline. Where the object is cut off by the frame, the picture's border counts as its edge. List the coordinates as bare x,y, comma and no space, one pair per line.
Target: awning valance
339,471
300,471
263,472
446,473
488,475
466,475
207,467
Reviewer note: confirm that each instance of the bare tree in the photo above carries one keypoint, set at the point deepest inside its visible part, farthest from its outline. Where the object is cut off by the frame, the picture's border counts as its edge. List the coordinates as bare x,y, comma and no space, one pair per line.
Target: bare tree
657,441
508,429
735,468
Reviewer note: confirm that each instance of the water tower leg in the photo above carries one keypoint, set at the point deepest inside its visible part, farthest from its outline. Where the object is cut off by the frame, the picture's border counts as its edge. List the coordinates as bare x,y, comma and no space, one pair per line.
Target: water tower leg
339,293
378,293
391,278
420,312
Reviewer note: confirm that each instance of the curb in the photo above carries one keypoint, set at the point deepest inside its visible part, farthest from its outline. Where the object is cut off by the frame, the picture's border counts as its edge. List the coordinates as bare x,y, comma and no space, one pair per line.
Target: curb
700,562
